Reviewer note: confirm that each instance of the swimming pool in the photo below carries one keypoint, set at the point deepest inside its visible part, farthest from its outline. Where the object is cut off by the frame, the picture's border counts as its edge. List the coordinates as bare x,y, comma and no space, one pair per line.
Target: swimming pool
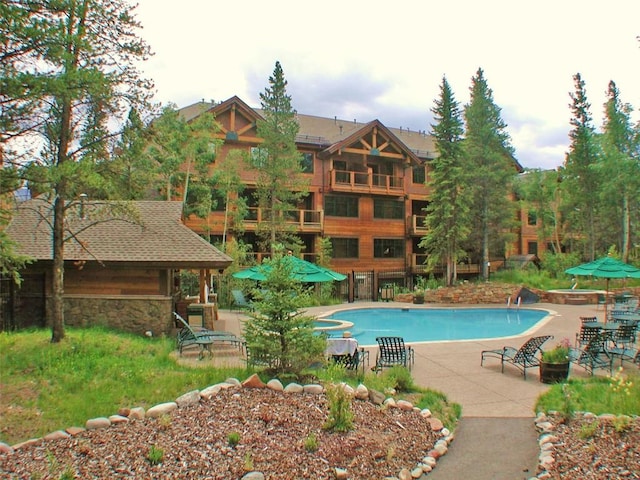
434,324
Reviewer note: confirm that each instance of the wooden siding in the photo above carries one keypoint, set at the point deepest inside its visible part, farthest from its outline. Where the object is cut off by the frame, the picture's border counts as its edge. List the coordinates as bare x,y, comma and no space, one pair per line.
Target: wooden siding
101,281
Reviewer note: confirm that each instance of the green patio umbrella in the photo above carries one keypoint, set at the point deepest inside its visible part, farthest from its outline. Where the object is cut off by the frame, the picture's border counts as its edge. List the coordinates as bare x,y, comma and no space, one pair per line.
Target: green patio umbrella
607,268
301,270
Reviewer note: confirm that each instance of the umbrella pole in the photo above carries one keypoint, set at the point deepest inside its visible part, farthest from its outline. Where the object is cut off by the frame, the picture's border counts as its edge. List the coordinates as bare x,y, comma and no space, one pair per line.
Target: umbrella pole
606,304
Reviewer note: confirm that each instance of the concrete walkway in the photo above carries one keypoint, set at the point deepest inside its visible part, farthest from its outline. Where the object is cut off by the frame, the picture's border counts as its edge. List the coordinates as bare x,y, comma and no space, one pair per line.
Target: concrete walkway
495,438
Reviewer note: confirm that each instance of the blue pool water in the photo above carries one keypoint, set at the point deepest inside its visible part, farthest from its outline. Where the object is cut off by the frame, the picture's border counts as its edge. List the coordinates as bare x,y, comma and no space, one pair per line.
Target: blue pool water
438,324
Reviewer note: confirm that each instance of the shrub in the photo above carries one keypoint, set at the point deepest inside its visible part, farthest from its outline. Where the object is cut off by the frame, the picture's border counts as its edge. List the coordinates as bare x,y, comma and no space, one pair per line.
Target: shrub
340,415
155,455
311,443
233,438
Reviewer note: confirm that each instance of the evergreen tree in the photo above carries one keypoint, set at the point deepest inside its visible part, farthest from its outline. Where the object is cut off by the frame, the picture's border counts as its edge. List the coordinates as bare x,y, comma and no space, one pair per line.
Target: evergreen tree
490,162
447,218
619,171
581,180
279,184
132,171
278,330
71,76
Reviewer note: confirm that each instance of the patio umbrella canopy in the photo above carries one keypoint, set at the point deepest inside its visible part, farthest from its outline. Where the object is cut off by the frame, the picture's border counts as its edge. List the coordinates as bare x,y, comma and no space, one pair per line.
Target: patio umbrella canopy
605,267
302,270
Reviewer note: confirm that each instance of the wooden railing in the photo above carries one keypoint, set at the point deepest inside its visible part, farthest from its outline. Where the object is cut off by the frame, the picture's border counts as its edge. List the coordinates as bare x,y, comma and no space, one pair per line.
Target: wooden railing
349,181
303,220
416,225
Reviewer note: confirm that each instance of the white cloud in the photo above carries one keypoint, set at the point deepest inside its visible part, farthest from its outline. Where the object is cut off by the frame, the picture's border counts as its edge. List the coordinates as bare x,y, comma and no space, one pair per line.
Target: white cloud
371,60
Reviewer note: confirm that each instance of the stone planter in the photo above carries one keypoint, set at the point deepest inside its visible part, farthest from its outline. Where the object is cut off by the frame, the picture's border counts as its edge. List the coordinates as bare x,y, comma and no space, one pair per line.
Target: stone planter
554,372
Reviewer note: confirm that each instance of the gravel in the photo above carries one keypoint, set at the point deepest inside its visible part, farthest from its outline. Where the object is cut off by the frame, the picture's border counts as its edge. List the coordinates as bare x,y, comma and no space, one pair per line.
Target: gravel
589,447
272,428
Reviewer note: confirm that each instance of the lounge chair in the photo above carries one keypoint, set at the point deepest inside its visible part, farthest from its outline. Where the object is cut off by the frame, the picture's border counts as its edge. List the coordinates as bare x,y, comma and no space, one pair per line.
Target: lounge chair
524,357
392,351
240,302
594,355
203,338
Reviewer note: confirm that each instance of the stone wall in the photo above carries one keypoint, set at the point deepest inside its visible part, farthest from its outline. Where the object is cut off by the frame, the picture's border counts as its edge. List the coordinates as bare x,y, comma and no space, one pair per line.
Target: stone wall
490,293
129,314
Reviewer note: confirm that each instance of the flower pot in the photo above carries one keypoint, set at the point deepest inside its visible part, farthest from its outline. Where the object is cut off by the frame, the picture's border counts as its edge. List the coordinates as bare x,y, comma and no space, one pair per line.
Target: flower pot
554,372
418,300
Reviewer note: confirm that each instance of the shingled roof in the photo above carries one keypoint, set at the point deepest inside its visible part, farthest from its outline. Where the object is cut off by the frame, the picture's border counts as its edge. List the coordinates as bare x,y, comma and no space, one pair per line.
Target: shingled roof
151,232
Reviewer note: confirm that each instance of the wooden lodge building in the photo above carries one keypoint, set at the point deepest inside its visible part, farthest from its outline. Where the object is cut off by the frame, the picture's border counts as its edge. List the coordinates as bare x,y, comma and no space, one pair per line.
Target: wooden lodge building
121,265
367,190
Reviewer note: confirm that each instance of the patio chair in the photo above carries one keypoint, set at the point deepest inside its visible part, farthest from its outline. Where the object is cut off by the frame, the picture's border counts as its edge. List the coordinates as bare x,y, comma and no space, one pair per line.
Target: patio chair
392,351
602,301
586,333
593,356
623,340
203,338
240,302
584,320
524,357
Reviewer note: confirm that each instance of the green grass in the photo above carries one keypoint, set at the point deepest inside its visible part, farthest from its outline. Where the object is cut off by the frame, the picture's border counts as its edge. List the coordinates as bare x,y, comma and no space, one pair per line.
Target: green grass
91,373
618,395
94,372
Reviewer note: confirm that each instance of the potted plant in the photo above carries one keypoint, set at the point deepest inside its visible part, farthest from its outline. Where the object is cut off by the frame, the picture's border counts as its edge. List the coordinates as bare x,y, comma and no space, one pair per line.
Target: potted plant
554,364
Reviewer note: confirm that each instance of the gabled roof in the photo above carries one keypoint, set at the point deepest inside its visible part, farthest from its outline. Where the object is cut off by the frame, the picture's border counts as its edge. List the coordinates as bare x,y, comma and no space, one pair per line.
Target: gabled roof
321,132
155,236
375,126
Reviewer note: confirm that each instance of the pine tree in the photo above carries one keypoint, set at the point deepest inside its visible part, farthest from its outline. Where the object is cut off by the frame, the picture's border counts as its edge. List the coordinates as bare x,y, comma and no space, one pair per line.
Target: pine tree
490,162
277,329
70,71
280,184
447,218
619,170
581,180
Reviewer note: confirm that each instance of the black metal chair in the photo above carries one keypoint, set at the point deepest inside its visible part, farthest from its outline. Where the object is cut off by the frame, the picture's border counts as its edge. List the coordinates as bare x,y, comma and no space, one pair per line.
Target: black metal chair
623,340
392,351
524,357
594,355
586,333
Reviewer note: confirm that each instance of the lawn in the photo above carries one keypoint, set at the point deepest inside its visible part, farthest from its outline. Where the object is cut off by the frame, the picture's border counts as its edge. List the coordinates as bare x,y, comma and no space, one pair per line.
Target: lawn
94,372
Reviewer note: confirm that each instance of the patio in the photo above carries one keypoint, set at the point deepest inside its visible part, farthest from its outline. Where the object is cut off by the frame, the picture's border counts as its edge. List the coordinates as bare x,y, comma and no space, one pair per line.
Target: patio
454,367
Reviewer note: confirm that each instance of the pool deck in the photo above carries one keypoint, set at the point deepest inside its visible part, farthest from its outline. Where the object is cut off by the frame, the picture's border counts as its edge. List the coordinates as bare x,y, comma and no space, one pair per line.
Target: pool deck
453,367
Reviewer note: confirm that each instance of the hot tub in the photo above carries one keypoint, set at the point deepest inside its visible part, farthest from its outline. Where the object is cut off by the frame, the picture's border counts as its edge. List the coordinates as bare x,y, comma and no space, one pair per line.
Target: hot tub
575,296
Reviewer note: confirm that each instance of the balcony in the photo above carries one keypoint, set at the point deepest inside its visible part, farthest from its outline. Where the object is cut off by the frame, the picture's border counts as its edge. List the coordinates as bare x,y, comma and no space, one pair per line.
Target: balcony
304,221
416,225
365,182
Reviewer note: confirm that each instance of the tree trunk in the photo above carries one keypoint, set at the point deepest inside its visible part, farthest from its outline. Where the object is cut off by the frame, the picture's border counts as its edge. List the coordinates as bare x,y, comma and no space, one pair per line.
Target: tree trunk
485,244
626,228
57,282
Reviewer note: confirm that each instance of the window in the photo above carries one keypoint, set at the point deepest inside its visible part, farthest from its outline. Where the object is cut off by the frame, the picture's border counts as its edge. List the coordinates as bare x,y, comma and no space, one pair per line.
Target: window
532,217
259,157
341,206
532,248
388,248
385,208
307,162
345,247
418,174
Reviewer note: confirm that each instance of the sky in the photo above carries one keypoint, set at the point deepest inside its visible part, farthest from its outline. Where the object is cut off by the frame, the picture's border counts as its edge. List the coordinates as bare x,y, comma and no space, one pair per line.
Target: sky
366,60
